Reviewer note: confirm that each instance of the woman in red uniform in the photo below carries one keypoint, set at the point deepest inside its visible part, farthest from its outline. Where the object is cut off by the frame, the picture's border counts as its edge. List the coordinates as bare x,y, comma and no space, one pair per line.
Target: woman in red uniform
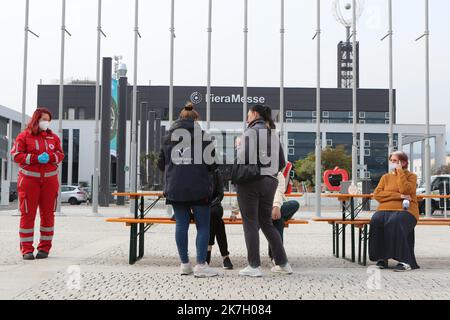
37,151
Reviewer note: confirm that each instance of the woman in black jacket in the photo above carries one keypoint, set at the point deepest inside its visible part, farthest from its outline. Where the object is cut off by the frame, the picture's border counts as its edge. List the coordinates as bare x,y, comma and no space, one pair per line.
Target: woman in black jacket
260,145
217,227
187,185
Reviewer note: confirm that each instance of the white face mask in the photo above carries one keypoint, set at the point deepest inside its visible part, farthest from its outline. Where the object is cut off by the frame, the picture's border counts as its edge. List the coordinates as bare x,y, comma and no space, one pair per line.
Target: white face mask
393,166
43,125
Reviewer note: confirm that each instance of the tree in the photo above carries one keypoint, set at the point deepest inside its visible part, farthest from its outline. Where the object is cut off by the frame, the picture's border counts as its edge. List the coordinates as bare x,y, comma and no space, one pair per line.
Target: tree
152,157
331,158
443,170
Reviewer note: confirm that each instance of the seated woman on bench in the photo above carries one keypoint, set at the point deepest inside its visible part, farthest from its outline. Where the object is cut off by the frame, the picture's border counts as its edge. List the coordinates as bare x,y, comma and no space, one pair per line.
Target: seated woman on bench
392,226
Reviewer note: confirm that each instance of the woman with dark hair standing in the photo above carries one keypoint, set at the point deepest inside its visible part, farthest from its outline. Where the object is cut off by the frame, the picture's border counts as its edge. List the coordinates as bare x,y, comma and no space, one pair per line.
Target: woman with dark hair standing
188,187
37,151
392,226
260,145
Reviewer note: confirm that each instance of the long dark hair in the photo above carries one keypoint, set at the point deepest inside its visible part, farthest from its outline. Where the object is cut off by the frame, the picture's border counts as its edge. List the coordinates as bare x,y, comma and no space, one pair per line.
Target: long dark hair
266,113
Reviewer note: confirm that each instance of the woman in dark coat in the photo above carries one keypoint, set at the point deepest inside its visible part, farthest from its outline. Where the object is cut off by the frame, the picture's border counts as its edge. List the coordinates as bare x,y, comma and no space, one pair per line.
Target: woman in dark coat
187,186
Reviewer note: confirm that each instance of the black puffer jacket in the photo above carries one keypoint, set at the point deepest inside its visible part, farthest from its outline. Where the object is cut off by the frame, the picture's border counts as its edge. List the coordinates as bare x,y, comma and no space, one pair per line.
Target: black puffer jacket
186,181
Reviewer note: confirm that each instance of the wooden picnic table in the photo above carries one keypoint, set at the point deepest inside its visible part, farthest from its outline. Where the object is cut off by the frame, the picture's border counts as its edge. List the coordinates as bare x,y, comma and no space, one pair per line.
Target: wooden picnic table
140,224
347,211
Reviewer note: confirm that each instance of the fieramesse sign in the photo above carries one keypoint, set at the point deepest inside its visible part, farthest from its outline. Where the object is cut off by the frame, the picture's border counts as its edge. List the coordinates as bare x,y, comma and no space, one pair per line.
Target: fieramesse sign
197,97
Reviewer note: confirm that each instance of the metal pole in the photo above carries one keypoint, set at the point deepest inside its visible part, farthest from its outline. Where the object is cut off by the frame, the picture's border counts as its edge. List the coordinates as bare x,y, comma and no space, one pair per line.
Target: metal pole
281,117
25,62
245,93
208,81
391,83
97,115
355,115
61,93
445,200
172,37
427,112
133,185
318,120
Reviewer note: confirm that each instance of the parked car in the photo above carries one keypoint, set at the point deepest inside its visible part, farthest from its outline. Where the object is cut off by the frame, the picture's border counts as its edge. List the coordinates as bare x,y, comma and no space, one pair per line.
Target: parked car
73,195
88,192
440,184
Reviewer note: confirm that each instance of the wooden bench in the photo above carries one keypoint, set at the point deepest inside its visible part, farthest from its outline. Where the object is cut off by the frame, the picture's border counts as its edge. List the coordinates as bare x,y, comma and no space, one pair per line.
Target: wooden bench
363,226
146,222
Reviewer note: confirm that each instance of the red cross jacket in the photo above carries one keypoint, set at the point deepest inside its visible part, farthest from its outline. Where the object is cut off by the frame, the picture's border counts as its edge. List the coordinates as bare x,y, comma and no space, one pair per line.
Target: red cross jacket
27,147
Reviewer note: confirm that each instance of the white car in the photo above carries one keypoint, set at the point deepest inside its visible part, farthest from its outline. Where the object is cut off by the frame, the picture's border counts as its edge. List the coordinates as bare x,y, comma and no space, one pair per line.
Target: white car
73,195
440,184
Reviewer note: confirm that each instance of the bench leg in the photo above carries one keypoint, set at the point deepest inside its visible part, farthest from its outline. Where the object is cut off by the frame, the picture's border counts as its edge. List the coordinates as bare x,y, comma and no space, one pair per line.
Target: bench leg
359,244
365,245
333,236
141,230
133,243
141,240
343,241
337,240
352,228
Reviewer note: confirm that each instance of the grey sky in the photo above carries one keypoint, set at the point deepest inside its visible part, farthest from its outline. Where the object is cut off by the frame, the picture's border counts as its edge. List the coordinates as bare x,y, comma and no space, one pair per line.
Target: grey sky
191,40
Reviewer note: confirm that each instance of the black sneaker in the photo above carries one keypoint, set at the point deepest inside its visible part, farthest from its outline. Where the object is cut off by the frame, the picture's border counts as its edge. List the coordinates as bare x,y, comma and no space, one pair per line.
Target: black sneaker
28,256
208,257
227,263
382,264
42,255
402,267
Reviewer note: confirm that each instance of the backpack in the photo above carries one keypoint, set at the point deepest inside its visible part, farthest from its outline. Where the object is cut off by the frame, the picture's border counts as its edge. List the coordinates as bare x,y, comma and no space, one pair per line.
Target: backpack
287,175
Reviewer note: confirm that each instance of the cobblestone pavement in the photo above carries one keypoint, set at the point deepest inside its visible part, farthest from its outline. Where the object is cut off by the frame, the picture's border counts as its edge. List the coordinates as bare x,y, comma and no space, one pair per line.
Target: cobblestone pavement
90,261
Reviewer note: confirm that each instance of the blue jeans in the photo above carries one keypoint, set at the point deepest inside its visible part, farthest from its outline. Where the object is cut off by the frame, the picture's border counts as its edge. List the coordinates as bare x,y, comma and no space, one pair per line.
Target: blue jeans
202,217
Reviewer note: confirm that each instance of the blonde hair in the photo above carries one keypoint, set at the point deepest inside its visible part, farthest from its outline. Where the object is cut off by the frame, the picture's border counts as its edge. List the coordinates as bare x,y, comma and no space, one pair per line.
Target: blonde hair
188,112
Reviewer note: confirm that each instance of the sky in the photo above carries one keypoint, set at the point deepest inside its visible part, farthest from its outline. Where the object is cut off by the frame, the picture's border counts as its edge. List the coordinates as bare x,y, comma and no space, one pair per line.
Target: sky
227,51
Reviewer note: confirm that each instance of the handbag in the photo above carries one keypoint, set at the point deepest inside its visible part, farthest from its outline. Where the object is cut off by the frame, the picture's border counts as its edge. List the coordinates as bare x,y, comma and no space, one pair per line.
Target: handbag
243,173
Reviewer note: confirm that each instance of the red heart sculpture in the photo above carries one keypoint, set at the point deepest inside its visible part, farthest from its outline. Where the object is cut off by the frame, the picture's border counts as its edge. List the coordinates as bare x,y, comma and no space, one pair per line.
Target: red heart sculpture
335,172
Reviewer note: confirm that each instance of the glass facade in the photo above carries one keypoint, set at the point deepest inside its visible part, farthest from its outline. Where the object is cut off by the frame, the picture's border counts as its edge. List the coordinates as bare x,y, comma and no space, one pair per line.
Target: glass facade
337,117
65,145
300,144
75,156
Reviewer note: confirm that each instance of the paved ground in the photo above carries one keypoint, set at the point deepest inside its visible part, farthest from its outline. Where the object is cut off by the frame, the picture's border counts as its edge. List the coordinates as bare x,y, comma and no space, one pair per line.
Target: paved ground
90,261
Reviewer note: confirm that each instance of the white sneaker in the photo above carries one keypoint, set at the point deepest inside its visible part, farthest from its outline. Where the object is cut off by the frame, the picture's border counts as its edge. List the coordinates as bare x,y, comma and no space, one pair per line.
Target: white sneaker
251,272
186,269
204,270
285,270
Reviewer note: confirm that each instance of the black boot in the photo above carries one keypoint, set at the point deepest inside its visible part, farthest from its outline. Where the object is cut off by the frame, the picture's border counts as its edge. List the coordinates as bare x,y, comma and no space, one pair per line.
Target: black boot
42,255
208,257
28,256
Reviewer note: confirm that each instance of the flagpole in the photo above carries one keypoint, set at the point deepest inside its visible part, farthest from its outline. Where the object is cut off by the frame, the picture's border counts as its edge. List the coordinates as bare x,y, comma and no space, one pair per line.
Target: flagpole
133,186
172,37
208,85
426,35
245,93
61,92
427,108
318,120
281,116
25,64
391,81
355,113
97,114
